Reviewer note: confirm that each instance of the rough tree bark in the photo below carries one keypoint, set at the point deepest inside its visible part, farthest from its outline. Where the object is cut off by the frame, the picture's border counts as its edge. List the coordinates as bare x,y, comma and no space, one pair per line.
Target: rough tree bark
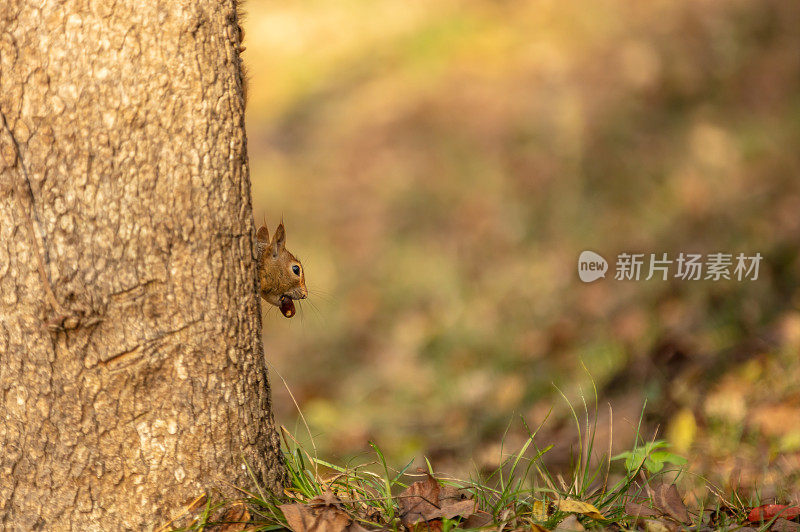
132,376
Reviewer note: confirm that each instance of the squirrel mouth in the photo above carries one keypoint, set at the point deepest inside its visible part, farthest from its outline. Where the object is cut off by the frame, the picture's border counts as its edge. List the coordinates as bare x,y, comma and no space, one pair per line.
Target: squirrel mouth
287,306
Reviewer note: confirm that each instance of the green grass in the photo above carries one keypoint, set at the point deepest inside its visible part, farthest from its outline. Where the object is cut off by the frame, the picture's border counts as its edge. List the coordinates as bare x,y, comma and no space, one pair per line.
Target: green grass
522,492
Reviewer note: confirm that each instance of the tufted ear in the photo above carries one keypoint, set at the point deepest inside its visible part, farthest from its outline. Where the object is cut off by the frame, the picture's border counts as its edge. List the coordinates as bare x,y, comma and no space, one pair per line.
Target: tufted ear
262,236
278,240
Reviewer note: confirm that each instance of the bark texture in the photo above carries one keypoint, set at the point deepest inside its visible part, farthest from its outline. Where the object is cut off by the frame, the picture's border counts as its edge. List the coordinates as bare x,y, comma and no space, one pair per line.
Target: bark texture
132,376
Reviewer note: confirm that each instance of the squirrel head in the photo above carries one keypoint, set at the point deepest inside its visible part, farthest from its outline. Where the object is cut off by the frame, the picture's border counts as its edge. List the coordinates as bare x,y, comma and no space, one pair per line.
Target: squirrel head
280,275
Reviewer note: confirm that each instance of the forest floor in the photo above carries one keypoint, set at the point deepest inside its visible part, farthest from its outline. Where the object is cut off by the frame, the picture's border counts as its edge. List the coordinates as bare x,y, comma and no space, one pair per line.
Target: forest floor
634,490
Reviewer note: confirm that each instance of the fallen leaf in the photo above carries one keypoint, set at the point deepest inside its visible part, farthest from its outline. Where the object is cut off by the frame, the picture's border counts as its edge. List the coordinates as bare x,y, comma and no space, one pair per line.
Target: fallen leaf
579,507
569,524
328,498
463,508
451,493
637,510
302,518
234,519
322,514
420,501
426,500
455,502
784,525
667,499
477,520
654,525
765,512
539,510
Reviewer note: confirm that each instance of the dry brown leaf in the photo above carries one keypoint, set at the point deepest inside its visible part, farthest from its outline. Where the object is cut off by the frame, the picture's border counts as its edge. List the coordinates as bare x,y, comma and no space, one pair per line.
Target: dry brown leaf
295,515
667,499
426,500
635,509
322,514
450,492
455,502
234,519
328,498
784,525
570,524
420,501
579,507
477,520
463,508
305,518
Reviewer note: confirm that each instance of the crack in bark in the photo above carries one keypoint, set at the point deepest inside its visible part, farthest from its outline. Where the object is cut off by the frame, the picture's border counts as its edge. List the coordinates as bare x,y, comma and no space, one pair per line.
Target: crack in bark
135,291
24,185
118,359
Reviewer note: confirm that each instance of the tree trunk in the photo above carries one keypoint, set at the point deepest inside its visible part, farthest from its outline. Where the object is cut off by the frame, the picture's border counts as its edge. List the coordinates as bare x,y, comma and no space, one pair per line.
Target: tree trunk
132,376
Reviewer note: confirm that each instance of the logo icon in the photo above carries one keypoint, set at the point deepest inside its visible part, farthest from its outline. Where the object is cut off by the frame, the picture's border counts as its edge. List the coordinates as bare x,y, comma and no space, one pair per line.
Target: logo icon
591,266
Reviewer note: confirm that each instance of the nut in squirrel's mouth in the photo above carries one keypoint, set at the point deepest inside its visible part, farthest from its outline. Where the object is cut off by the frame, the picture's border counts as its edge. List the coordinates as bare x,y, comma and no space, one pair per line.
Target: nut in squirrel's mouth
287,306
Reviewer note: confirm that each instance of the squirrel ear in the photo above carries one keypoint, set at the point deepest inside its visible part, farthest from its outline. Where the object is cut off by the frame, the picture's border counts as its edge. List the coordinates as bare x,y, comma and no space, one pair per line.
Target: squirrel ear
278,240
263,234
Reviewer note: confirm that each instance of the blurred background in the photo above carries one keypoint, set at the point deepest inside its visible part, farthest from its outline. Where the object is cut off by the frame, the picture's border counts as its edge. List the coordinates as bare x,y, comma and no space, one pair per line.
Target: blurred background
441,165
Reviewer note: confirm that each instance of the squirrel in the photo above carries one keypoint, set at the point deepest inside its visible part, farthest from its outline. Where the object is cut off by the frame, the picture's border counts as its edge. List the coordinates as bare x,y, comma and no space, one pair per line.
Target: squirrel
281,279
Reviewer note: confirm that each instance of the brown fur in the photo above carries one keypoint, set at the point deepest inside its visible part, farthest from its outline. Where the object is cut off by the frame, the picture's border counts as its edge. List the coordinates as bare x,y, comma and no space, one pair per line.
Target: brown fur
275,276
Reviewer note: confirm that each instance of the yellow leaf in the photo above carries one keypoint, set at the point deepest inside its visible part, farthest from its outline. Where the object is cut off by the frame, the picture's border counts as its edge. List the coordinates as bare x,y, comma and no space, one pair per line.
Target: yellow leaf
539,511
651,525
682,430
579,507
535,527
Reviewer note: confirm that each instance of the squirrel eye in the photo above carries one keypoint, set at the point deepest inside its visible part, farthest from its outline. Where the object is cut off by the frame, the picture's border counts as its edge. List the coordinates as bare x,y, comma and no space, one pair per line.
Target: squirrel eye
296,269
